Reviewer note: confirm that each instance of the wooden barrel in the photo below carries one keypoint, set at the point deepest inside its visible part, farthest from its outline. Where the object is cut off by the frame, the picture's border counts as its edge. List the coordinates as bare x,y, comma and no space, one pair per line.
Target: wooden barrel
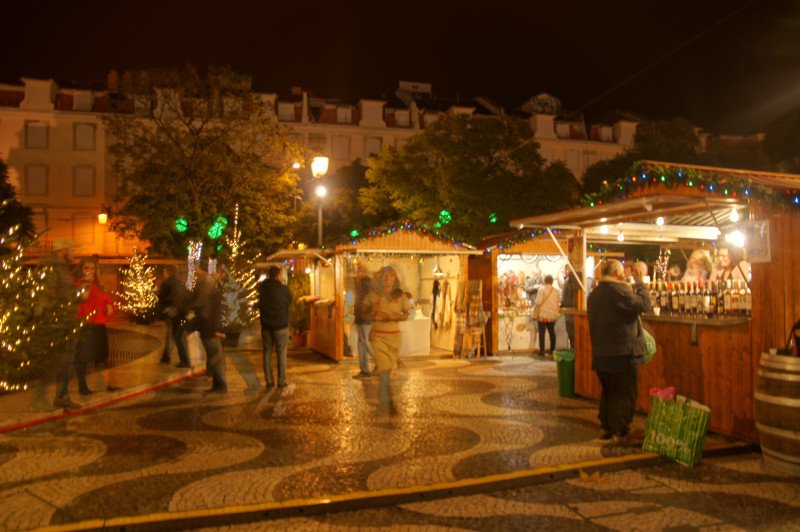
777,411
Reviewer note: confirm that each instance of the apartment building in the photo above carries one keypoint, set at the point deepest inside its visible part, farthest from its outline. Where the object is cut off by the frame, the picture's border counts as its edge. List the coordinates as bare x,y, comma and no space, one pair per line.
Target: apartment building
55,144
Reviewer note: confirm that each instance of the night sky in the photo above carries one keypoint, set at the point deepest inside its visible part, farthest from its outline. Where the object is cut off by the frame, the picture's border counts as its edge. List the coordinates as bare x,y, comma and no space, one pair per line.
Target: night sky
728,65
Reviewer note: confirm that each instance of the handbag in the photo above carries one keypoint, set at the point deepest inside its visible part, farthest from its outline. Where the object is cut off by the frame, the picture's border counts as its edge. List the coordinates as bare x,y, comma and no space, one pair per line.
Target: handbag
649,344
676,429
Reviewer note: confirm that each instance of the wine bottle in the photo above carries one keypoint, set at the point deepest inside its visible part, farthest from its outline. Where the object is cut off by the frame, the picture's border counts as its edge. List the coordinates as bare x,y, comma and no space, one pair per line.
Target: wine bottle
748,301
673,297
663,299
706,299
728,297
651,290
681,299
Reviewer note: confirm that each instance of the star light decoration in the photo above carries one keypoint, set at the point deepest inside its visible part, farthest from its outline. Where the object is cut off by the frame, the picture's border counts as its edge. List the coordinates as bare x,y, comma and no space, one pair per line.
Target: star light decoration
645,174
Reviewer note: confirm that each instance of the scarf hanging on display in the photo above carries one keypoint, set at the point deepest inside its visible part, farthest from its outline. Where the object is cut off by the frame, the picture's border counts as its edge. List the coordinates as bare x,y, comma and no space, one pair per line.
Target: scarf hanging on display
445,316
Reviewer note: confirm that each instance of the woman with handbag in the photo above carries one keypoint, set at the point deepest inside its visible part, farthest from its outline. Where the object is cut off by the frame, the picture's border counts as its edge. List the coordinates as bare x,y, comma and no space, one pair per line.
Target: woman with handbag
546,311
96,306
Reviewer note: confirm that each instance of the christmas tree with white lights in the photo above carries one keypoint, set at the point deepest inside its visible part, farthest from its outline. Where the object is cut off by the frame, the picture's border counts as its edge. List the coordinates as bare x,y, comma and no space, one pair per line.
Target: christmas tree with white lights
32,337
239,287
139,297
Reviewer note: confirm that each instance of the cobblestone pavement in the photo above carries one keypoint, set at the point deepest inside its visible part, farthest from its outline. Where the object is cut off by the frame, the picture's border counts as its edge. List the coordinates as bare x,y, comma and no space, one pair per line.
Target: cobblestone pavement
181,453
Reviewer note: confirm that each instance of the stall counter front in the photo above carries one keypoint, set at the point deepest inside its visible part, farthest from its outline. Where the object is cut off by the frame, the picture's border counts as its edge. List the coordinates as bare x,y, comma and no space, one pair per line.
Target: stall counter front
708,360
415,336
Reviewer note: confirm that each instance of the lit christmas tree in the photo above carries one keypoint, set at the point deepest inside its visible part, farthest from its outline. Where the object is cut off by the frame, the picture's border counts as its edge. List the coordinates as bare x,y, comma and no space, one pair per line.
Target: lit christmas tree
32,339
239,287
139,297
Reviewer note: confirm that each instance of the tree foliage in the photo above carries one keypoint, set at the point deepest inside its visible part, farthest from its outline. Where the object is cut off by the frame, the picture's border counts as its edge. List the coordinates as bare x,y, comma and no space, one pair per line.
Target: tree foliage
13,213
192,146
477,169
782,142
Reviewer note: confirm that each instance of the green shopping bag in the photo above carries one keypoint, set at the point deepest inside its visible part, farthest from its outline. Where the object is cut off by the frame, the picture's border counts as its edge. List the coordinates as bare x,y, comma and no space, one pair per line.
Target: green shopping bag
676,429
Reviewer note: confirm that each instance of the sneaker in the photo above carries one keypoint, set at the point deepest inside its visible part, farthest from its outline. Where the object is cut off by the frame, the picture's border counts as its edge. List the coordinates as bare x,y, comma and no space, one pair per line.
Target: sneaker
66,403
164,360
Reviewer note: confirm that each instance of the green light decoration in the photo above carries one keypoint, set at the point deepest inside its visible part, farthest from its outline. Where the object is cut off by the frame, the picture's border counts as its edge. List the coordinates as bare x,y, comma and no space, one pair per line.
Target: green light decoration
437,224
219,247
217,227
181,224
354,233
493,218
445,217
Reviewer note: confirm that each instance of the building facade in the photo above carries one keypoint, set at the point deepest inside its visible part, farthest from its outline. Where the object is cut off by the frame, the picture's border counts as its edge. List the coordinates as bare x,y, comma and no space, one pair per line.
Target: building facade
55,144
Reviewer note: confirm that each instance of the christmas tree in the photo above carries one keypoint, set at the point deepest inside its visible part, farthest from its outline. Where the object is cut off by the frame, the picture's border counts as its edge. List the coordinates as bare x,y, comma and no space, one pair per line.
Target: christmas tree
239,286
138,295
32,338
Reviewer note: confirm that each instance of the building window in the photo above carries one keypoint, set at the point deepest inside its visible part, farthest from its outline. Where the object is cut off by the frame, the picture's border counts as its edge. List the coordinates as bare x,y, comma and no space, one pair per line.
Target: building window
83,181
286,111
36,135
401,118
318,142
341,147
344,115
84,137
36,180
373,145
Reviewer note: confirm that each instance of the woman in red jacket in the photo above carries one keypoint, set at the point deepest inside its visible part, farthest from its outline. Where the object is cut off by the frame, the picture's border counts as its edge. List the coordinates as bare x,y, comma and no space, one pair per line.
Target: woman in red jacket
96,306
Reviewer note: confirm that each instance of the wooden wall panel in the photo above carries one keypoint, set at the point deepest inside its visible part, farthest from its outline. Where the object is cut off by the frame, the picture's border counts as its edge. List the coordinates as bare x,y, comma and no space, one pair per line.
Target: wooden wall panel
480,268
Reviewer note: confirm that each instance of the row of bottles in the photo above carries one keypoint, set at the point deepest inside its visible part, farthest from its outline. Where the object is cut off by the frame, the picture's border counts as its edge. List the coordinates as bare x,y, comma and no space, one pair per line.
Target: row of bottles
698,299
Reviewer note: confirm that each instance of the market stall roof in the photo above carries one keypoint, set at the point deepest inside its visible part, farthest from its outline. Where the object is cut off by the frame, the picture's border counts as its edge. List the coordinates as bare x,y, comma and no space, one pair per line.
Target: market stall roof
307,253
406,237
686,216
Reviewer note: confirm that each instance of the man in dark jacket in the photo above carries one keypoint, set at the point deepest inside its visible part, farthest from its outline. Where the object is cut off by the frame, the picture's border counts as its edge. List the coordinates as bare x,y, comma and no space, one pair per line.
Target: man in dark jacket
274,301
613,310
363,319
173,298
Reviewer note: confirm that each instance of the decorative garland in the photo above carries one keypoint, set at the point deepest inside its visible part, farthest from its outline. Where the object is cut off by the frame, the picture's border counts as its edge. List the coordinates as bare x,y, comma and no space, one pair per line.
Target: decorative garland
521,238
356,237
645,174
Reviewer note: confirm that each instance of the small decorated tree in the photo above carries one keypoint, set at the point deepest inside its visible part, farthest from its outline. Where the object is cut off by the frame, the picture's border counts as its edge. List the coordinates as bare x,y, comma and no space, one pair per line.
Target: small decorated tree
32,338
239,287
138,293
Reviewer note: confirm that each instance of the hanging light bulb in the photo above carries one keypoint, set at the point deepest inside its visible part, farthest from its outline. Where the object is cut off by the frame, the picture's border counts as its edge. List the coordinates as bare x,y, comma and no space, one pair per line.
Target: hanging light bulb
620,237
734,215
604,229
308,269
660,221
437,271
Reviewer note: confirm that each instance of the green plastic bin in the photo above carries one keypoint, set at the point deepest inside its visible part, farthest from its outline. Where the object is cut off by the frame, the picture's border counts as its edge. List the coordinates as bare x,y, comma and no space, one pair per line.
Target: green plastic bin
565,365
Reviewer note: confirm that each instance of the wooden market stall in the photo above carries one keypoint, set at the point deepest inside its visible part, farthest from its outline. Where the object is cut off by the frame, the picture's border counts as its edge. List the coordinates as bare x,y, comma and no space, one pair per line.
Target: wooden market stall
712,360
422,260
509,263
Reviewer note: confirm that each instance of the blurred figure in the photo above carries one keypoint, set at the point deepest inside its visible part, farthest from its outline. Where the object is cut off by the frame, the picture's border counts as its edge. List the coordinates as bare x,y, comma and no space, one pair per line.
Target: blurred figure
570,300
274,301
60,289
389,306
730,266
698,267
173,299
96,306
363,320
207,309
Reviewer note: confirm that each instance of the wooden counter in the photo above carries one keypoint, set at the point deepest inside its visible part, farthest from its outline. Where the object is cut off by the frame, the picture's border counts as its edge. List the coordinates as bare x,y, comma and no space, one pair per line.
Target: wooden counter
708,360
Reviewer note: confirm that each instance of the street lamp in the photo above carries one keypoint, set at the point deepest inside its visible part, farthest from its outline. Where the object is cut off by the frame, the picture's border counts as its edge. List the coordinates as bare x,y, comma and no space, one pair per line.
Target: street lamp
319,167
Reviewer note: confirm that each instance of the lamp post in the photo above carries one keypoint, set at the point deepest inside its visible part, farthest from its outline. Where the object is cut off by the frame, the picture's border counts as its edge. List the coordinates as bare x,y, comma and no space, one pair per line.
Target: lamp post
319,167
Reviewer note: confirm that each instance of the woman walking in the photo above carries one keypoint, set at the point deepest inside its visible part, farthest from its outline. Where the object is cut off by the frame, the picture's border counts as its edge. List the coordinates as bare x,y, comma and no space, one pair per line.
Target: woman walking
96,306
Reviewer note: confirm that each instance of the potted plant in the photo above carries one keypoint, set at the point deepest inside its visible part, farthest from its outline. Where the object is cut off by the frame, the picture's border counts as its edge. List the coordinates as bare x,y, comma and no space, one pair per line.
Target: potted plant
300,313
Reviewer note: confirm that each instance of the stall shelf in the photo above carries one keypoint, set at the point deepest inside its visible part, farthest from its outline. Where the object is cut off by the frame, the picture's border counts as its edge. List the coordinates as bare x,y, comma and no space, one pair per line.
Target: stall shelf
712,361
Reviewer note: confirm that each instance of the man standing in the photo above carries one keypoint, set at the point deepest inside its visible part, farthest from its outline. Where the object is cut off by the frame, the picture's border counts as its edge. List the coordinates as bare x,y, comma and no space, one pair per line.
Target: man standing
274,301
173,297
613,310
207,306
363,320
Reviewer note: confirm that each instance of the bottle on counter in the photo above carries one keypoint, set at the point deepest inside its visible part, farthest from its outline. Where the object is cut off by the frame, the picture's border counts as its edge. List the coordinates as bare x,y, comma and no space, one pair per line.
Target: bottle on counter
663,297
748,301
728,298
653,292
712,311
681,299
673,299
706,296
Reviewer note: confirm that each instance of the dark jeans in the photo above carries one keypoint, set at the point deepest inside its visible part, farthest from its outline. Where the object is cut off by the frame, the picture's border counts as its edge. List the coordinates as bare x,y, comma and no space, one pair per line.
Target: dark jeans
569,324
618,400
92,347
551,330
175,333
215,362
277,341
